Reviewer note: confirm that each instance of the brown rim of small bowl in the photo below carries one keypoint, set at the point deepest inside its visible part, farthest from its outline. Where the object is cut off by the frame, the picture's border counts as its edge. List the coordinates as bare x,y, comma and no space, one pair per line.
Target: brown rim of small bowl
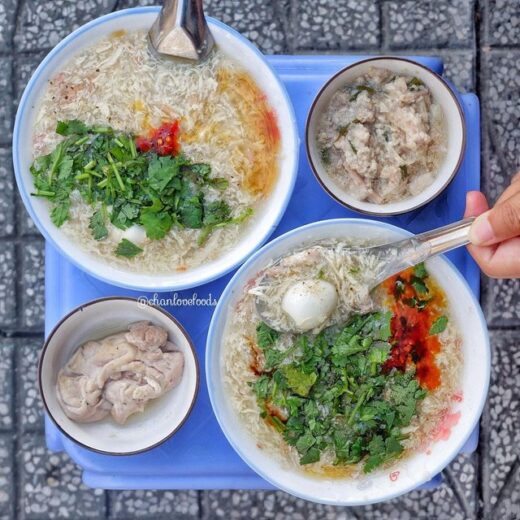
197,375
387,213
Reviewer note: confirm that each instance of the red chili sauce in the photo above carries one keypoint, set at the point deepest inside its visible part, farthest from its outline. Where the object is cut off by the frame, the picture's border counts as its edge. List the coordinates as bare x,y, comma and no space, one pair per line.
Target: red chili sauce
413,315
162,140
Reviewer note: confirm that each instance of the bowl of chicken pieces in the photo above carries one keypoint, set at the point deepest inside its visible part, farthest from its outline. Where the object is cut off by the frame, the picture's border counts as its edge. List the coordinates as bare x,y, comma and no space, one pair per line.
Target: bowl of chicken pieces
118,376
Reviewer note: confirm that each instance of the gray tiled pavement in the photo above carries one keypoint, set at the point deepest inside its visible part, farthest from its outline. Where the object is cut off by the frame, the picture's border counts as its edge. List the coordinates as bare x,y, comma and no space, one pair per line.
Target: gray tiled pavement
480,44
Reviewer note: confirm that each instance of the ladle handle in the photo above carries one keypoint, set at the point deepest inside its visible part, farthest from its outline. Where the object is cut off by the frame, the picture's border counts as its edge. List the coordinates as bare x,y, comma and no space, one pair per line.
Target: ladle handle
172,14
406,253
181,30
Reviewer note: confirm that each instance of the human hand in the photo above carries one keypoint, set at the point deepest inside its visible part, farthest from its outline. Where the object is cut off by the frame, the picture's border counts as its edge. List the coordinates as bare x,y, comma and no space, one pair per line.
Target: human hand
495,234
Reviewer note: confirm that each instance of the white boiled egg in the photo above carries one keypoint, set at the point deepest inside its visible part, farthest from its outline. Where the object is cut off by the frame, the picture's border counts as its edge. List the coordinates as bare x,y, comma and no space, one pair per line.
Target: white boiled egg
309,303
136,234
114,233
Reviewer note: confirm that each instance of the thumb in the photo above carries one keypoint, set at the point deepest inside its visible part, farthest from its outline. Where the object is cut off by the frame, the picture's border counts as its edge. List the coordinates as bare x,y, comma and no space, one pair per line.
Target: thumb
498,224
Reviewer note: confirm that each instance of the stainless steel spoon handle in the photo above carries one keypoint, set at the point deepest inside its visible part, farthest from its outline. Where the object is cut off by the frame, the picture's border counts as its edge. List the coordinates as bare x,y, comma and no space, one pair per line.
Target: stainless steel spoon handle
398,256
181,30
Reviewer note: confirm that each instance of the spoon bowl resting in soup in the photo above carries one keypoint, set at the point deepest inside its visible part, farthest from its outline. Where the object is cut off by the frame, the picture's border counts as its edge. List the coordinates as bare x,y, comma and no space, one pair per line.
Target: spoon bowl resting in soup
310,303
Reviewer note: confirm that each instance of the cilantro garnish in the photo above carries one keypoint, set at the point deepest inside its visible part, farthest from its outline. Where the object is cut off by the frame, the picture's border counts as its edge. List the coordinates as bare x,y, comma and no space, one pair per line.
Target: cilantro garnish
420,271
60,212
265,335
97,226
156,225
439,325
419,285
71,127
127,249
297,380
335,394
127,187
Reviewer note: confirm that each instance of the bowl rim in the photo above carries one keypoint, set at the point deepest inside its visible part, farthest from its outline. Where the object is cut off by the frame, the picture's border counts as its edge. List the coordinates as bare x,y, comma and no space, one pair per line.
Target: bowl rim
80,308
382,213
212,344
133,283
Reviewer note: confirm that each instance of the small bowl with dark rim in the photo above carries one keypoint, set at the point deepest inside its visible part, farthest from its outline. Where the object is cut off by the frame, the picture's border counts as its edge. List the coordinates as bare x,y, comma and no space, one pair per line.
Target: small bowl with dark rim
455,127
161,418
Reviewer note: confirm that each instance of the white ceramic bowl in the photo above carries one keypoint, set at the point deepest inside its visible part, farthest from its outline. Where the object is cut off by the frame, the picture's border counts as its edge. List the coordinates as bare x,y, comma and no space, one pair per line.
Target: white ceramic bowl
454,122
266,220
416,469
161,418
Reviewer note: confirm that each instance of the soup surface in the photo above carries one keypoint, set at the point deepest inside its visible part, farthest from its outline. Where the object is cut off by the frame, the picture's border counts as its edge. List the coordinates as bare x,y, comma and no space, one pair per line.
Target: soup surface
353,395
218,125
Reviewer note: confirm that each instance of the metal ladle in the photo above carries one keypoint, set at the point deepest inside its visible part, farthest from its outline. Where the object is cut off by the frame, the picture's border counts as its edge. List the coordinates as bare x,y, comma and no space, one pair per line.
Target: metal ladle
391,258
181,31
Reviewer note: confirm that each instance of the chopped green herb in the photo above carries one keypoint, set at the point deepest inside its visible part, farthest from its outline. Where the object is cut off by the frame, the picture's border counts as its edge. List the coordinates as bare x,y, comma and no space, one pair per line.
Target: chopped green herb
416,302
439,325
325,156
60,212
158,192
311,456
219,183
354,149
71,127
297,380
366,88
334,393
156,225
201,170
97,225
127,249
265,335
415,82
216,212
419,285
420,270
218,215
161,170
343,130
362,88
191,209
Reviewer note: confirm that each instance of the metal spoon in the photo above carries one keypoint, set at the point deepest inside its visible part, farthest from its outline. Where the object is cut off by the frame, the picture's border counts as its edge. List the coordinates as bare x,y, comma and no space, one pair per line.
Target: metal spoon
181,31
390,258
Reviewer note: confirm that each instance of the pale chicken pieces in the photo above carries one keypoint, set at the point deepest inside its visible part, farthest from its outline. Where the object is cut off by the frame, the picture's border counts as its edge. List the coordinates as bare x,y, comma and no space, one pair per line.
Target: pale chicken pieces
382,137
119,374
